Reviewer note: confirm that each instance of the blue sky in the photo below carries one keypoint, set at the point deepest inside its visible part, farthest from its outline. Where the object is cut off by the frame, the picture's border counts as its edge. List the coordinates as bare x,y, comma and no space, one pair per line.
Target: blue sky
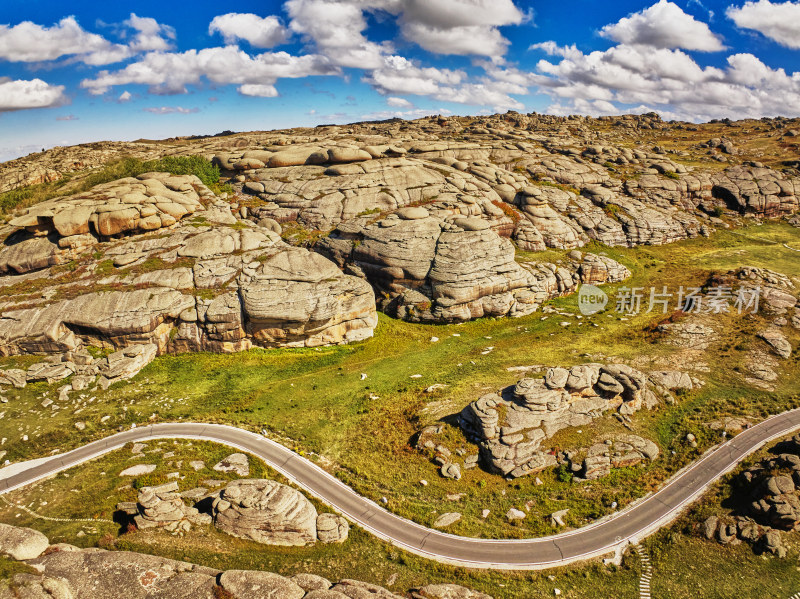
87,71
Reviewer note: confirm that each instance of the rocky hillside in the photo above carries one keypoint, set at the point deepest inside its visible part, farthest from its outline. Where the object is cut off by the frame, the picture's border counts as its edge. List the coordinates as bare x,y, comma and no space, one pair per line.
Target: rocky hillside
424,220
123,264
67,572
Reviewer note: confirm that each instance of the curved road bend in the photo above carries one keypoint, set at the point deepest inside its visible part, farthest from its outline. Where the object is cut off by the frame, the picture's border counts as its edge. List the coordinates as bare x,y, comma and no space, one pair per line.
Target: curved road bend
601,538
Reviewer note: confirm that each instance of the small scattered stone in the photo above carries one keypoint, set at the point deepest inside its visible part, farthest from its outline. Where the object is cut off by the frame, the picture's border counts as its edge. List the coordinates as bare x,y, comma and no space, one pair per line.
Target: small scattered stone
138,470
236,463
447,519
515,514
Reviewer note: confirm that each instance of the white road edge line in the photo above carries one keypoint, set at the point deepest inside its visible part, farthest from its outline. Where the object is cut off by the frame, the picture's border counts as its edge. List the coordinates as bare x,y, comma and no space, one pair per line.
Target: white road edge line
206,434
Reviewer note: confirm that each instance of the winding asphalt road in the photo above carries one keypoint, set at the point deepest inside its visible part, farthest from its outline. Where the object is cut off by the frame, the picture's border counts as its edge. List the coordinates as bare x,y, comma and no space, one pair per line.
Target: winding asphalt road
601,538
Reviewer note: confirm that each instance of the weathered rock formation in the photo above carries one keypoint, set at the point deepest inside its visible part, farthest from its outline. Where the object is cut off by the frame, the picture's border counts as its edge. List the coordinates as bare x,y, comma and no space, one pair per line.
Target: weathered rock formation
267,512
84,369
774,487
552,198
427,269
332,528
767,497
67,572
132,205
163,507
511,425
620,451
274,514
421,210
212,284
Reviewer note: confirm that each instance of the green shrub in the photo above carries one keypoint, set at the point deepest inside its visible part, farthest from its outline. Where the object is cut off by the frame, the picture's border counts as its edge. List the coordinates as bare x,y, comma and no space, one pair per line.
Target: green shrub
11,199
127,167
177,165
563,474
368,212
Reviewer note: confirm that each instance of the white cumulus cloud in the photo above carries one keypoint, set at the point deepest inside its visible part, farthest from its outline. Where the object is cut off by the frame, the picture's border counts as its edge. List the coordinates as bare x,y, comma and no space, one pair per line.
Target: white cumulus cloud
462,27
398,102
462,13
258,90
172,72
627,77
399,75
664,25
336,28
467,40
260,32
779,21
29,42
22,94
171,110
150,34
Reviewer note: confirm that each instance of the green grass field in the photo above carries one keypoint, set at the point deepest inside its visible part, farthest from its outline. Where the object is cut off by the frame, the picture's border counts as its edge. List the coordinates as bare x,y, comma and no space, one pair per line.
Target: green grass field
315,401
684,565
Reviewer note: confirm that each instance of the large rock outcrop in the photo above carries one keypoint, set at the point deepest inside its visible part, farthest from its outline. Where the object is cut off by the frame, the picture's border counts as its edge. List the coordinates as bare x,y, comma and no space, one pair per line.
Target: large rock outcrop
541,181
267,512
773,486
67,572
145,203
766,497
511,425
215,283
163,507
427,269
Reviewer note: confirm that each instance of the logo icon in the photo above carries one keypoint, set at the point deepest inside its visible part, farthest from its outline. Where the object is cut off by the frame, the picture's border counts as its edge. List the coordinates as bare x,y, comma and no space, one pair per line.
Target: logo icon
591,300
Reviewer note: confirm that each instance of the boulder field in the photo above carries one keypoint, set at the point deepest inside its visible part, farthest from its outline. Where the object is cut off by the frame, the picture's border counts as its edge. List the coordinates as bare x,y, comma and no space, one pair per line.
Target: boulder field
424,220
512,426
67,572
160,260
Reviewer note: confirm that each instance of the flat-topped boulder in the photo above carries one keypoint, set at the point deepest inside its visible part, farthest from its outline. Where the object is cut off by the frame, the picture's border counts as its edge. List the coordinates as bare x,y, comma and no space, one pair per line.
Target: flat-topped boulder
21,543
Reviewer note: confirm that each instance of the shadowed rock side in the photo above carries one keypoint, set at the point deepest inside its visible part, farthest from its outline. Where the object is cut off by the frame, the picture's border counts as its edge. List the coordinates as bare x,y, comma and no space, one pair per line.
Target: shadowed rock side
425,268
767,500
83,270
509,427
67,572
